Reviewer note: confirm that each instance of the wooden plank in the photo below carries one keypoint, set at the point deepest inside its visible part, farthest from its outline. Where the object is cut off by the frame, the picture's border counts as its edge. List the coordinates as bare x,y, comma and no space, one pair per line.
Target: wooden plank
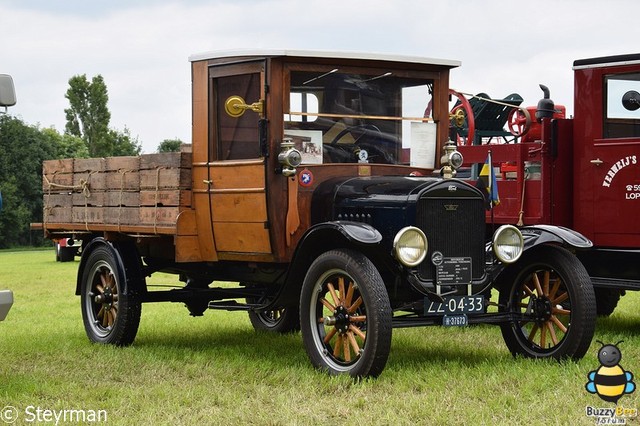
121,215
165,178
88,165
57,166
57,200
124,179
186,224
159,215
248,207
56,214
57,182
242,237
93,180
165,159
237,175
165,197
116,164
87,215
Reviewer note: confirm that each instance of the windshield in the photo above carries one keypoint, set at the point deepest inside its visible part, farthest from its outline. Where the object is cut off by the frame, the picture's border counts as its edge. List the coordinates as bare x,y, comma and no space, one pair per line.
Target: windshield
340,117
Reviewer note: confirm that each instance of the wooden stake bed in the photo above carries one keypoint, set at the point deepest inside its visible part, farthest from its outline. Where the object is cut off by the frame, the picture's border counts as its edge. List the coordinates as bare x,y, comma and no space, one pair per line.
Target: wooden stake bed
142,195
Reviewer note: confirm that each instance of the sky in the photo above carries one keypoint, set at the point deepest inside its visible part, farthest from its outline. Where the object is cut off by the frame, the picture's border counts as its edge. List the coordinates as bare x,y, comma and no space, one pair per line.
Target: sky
142,47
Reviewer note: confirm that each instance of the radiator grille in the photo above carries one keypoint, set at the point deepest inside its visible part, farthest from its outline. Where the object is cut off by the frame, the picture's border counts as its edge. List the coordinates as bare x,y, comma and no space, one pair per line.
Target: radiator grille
455,227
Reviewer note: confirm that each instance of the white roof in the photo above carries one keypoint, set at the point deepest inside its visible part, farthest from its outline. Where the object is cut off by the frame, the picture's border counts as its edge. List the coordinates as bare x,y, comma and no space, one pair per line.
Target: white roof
323,54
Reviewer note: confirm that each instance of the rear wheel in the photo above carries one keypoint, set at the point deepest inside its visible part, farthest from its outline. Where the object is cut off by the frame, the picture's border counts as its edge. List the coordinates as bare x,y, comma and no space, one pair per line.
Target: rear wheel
284,320
110,314
345,315
607,300
553,295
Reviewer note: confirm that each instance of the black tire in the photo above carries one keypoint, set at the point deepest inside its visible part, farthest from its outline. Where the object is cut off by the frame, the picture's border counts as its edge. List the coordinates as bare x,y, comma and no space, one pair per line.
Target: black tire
550,287
284,320
110,314
606,300
68,254
345,315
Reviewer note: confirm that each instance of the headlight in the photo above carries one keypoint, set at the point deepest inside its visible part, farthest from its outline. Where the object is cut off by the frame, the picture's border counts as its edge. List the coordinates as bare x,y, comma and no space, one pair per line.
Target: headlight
410,246
508,243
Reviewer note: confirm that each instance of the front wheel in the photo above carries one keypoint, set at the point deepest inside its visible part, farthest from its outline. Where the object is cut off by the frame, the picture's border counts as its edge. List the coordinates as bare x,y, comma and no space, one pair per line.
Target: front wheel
345,315
552,295
110,314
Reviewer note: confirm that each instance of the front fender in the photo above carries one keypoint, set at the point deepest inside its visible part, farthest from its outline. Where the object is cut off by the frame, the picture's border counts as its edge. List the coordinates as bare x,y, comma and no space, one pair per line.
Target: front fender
538,235
550,234
320,238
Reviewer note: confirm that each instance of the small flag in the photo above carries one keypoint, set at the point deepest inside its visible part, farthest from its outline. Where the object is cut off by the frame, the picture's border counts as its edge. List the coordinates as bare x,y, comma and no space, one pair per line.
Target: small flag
488,184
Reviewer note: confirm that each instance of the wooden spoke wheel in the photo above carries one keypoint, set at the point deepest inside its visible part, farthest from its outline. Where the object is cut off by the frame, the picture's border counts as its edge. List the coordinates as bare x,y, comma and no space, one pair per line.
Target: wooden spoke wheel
553,296
283,320
345,315
109,314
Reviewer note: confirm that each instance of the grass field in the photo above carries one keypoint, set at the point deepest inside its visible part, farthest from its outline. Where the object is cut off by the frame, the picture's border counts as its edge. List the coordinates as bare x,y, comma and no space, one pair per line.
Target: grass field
216,370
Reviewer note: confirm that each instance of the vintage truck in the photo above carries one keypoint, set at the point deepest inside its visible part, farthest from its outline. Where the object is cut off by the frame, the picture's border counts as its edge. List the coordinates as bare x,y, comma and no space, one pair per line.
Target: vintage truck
580,172
319,194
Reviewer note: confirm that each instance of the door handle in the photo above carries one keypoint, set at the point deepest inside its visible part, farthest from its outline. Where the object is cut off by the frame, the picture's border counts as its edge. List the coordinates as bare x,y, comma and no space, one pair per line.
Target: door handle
207,182
597,161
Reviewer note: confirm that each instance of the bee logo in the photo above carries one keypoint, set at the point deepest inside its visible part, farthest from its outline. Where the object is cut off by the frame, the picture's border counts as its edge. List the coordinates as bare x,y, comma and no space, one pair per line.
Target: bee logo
610,381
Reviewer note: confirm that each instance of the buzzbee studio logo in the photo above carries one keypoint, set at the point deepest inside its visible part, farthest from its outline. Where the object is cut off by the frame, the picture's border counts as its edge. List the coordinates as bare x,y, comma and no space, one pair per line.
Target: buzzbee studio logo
610,382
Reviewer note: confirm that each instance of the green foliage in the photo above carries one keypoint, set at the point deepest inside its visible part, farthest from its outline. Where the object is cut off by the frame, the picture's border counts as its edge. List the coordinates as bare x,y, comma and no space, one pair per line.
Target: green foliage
23,148
88,115
170,145
122,144
88,118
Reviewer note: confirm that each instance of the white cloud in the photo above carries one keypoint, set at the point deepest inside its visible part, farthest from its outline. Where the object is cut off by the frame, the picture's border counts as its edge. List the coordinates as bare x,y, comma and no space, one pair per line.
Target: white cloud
141,47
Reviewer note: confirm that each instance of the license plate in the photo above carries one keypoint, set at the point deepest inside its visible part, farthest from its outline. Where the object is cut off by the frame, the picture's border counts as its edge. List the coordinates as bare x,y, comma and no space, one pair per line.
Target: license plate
455,305
455,320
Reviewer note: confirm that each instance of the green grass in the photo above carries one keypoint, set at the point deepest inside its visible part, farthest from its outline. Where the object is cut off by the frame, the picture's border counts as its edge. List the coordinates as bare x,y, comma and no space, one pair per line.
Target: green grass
216,370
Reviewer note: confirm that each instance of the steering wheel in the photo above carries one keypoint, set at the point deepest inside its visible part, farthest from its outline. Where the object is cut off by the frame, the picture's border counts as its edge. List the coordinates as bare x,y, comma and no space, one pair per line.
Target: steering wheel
349,129
461,115
519,121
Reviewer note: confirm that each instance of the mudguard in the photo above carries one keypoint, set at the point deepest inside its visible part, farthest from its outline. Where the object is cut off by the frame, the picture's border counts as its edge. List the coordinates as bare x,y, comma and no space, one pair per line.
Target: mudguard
320,238
537,235
126,258
545,234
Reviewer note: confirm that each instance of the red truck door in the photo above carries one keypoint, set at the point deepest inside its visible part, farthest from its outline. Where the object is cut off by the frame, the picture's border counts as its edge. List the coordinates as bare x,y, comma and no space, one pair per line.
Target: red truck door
607,130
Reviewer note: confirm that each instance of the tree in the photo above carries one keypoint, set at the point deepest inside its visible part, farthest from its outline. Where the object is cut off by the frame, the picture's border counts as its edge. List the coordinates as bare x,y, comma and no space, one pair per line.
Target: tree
88,118
88,115
170,145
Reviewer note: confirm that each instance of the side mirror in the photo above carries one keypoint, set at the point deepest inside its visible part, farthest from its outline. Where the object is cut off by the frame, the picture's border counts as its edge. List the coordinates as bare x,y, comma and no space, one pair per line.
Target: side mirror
7,91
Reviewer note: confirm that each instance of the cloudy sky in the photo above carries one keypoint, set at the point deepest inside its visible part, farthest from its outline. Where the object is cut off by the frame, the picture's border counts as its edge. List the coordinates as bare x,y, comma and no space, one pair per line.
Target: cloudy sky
141,47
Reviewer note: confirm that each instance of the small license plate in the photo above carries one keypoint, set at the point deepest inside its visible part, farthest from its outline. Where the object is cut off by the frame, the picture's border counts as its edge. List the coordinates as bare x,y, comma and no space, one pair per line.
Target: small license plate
455,320
455,305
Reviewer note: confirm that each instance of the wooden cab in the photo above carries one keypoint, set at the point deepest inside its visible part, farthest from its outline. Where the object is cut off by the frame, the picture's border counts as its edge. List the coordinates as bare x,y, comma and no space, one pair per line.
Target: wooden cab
330,114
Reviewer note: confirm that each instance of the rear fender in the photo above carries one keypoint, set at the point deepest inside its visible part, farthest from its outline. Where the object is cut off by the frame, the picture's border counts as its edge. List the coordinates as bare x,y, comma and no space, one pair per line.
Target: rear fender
127,262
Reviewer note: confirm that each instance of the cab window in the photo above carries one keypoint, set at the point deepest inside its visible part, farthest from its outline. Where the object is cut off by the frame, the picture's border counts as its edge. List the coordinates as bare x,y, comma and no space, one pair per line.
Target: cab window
622,106
337,116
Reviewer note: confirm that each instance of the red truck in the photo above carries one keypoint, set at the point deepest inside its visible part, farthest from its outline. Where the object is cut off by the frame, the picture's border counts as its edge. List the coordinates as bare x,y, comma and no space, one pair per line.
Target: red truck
578,172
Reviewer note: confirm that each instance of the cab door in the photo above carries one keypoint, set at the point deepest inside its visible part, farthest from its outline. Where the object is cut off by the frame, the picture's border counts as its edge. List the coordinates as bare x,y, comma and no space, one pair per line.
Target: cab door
614,164
236,170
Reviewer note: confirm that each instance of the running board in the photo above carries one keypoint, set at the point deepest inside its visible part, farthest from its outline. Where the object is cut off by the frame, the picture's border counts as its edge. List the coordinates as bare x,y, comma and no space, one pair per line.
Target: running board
620,284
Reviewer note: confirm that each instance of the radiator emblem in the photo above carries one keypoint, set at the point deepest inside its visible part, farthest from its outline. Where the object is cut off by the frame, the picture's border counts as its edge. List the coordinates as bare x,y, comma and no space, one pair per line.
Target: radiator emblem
451,207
